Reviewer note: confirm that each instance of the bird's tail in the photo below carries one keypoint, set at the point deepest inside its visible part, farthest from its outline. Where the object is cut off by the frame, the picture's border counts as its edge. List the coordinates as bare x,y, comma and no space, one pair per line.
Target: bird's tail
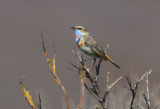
114,63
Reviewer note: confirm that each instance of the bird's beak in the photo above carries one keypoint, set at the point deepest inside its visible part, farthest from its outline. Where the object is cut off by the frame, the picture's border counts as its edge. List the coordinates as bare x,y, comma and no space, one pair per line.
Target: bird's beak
73,28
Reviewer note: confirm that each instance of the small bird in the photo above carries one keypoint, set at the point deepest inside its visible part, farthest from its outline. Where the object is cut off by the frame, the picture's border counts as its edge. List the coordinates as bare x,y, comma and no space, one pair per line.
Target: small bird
89,46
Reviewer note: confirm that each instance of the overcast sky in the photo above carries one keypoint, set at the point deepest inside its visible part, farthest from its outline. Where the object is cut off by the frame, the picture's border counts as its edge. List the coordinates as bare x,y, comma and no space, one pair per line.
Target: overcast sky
131,27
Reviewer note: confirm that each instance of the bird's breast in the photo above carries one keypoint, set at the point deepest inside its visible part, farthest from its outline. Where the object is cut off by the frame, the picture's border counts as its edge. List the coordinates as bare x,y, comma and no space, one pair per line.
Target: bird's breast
87,50
81,42
84,48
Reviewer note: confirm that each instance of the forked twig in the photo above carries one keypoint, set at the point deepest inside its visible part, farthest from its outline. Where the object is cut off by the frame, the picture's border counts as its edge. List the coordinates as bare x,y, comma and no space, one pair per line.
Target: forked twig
53,70
94,80
108,89
134,88
91,92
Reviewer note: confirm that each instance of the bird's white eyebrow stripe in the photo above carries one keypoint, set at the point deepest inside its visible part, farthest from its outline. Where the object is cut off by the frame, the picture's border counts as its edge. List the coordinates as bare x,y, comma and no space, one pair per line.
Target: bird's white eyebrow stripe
81,27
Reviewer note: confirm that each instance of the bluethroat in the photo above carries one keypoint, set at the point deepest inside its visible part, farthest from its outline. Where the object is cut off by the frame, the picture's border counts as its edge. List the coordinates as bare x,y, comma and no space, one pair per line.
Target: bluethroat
89,46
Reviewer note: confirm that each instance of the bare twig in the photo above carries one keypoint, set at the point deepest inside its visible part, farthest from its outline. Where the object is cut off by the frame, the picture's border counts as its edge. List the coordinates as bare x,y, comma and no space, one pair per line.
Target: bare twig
105,97
39,101
107,80
157,106
134,89
82,77
95,91
126,87
26,93
108,89
146,100
146,97
139,106
53,70
147,82
94,80
91,92
114,83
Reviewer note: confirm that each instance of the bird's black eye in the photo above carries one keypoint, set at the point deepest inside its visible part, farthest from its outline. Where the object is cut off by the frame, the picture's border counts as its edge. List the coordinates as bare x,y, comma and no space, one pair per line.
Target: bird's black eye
80,28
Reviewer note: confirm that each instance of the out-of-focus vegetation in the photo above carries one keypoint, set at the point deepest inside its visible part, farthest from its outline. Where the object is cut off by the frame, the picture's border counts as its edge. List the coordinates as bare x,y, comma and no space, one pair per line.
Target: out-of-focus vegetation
132,95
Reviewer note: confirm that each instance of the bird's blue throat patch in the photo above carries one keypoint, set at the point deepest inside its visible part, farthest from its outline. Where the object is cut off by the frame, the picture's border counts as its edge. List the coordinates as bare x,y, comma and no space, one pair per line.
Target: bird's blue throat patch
79,34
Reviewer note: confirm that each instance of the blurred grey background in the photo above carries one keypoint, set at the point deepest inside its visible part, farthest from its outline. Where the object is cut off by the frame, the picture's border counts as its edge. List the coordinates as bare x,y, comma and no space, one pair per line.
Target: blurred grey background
131,27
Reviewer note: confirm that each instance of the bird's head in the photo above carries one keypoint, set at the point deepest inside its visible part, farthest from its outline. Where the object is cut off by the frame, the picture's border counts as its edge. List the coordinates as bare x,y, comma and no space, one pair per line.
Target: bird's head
79,31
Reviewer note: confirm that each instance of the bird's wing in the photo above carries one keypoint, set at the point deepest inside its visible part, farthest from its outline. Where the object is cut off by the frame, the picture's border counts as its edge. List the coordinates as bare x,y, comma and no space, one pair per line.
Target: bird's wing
96,48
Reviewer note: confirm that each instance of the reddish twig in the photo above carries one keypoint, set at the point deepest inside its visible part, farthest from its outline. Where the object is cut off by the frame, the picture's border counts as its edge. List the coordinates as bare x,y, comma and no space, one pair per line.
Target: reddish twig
53,70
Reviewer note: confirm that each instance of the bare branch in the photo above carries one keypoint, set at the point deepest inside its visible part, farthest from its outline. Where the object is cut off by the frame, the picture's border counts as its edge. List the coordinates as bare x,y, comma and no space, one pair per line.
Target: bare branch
39,101
53,70
147,82
144,76
146,100
91,92
126,87
157,106
146,97
114,83
108,88
133,90
139,106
